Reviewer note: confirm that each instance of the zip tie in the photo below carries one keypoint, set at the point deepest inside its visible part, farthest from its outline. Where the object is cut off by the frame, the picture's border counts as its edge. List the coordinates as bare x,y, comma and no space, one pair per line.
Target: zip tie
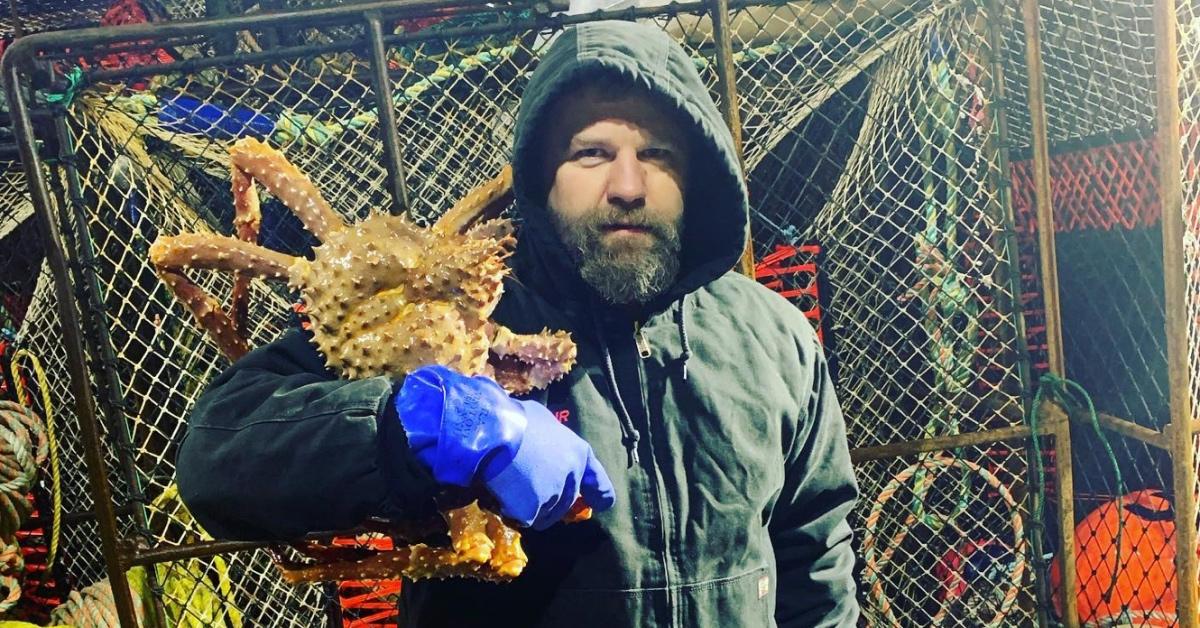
75,83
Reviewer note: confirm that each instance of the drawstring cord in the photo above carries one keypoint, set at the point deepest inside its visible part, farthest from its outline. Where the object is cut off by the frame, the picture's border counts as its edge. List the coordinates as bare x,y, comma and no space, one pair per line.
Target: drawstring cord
630,435
681,319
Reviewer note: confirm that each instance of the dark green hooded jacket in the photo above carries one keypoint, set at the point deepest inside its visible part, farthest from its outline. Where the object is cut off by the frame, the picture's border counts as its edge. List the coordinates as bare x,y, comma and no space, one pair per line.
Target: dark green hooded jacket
725,442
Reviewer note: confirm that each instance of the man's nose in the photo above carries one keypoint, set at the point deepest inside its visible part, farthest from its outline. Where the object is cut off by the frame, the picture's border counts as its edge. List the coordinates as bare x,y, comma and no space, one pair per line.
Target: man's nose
626,181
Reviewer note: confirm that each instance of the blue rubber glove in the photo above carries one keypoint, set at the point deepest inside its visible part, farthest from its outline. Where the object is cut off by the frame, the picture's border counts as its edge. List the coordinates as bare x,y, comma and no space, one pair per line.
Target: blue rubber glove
467,430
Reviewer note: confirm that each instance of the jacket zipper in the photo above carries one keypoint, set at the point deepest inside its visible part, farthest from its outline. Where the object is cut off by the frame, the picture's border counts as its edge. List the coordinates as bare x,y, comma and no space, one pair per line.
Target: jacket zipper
643,347
639,338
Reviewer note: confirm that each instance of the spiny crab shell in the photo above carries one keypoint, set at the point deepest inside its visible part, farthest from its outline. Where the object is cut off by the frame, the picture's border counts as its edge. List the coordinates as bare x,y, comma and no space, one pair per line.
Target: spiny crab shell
384,296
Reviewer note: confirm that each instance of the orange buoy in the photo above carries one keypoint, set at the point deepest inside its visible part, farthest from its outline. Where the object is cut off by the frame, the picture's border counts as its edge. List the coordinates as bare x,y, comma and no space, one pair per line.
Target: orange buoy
1141,586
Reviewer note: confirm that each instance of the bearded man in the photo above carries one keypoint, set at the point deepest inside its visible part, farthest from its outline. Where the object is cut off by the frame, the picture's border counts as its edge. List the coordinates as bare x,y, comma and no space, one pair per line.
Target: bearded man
699,422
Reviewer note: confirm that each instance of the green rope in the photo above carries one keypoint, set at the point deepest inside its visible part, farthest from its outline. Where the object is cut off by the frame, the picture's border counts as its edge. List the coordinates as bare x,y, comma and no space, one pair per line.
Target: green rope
1068,392
75,83
943,289
745,55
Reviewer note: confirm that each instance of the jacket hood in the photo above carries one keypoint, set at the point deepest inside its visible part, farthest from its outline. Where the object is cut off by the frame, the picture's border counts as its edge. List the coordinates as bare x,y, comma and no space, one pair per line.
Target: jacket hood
716,205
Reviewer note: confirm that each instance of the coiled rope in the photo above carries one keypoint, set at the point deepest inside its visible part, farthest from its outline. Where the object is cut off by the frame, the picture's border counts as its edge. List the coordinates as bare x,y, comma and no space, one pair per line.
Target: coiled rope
96,607
52,440
23,448
922,478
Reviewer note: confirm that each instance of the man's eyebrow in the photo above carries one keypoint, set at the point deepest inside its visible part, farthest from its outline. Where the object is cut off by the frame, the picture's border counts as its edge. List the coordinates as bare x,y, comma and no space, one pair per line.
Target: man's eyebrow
584,139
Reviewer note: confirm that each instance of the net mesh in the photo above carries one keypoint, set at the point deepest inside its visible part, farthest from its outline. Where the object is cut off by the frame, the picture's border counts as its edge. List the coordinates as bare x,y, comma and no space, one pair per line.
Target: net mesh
870,144
1100,110
963,571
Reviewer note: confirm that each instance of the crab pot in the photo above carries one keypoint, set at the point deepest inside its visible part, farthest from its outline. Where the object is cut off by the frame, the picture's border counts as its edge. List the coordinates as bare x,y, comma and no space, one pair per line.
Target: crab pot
962,197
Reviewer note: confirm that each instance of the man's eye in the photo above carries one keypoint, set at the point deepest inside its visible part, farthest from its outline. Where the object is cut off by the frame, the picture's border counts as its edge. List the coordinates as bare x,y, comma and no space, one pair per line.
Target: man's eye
588,153
657,154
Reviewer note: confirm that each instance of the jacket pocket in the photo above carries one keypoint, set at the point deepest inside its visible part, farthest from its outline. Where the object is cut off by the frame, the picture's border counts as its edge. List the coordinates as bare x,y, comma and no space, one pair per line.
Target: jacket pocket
743,601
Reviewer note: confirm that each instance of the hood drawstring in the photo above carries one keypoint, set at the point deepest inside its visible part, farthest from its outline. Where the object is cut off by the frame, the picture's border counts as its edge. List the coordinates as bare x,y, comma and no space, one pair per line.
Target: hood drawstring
681,319
629,433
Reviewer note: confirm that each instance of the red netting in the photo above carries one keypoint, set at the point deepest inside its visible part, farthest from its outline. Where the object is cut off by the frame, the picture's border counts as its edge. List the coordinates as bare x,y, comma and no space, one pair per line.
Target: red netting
368,603
792,271
1107,187
38,596
131,12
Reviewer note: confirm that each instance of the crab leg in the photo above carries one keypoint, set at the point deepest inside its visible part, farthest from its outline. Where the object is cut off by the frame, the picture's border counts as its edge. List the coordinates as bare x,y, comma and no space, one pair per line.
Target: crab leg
259,162
208,313
483,203
215,252
415,562
522,362
246,221
170,255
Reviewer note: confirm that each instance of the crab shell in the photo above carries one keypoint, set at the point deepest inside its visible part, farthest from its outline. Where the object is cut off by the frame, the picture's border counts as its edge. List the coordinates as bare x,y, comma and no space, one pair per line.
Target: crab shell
385,296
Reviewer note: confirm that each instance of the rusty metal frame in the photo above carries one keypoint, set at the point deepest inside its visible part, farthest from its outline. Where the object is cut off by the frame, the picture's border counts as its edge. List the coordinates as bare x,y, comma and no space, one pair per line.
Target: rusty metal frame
730,102
28,57
1181,439
20,63
1060,428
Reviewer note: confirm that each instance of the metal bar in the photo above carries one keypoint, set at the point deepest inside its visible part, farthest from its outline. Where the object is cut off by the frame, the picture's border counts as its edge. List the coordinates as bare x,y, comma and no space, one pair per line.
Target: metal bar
72,43
1061,428
534,23
1041,166
1055,412
1007,218
85,409
939,443
1132,430
1179,375
94,319
1010,273
727,86
386,109
92,311
192,550
333,15
15,16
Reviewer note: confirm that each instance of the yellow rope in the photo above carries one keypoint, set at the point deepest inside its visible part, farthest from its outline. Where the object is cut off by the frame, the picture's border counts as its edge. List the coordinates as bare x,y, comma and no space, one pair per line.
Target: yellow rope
48,412
189,595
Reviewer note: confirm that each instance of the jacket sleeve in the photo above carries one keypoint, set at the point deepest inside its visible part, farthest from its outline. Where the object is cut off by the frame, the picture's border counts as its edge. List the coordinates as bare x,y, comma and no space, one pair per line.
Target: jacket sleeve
277,447
809,530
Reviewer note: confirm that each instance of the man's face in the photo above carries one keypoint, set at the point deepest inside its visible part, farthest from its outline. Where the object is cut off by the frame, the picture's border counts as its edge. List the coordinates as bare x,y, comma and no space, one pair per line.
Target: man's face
617,170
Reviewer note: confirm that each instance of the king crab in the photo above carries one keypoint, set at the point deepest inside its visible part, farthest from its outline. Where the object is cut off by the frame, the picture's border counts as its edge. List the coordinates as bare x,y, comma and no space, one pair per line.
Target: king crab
384,297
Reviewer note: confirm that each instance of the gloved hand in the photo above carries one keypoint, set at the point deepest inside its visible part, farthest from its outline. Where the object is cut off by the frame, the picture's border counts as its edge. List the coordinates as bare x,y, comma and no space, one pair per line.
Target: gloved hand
468,430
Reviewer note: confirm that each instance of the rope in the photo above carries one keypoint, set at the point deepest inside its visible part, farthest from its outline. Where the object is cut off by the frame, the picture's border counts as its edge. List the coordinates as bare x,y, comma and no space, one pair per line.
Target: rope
942,288
95,606
1067,392
876,561
23,449
12,564
56,477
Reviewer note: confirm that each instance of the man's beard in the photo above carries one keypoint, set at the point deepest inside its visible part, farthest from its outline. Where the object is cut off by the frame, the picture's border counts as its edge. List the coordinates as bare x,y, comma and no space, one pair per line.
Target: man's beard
622,273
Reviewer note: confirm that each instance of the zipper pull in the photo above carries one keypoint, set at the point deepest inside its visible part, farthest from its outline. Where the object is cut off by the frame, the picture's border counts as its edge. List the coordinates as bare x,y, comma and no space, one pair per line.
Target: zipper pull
643,345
